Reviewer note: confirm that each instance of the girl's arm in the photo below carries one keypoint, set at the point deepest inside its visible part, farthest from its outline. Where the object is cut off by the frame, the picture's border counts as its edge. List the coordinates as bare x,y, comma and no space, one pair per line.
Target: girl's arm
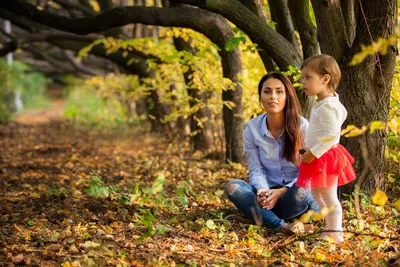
256,169
330,123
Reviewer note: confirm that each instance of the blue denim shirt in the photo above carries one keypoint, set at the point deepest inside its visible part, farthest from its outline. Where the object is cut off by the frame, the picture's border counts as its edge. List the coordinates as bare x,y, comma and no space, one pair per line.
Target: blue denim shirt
267,167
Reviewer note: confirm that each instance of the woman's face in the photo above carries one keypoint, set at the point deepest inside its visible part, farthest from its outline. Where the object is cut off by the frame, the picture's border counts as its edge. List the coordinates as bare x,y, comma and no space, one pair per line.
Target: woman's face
273,96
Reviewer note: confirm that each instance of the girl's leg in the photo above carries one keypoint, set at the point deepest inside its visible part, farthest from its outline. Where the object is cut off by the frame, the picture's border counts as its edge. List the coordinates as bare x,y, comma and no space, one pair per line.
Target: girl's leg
334,218
243,196
316,193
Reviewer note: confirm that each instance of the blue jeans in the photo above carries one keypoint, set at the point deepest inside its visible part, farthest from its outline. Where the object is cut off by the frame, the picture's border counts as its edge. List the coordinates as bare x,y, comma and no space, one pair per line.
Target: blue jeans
293,203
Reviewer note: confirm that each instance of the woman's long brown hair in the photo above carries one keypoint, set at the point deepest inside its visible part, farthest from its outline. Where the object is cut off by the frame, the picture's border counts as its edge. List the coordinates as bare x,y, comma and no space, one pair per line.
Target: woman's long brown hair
292,135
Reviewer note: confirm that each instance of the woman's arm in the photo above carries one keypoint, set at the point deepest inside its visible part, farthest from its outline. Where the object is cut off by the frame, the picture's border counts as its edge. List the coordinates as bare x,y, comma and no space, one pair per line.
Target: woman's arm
256,170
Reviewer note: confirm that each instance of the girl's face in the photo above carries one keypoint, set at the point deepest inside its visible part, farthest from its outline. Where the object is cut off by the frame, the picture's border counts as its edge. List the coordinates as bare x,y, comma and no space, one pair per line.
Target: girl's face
273,96
315,84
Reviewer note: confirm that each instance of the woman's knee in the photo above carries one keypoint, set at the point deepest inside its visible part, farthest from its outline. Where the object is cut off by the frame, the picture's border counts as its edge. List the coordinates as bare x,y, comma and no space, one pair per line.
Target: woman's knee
232,186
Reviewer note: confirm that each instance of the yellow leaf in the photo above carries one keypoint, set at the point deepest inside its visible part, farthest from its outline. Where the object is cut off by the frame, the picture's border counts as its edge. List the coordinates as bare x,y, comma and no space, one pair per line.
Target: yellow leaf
347,129
379,198
304,218
396,204
317,216
34,195
376,125
301,247
356,132
326,139
393,126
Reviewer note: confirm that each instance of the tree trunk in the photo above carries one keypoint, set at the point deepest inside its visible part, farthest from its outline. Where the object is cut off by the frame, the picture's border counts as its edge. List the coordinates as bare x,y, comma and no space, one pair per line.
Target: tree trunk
350,12
300,12
365,91
258,8
284,24
233,122
331,27
201,137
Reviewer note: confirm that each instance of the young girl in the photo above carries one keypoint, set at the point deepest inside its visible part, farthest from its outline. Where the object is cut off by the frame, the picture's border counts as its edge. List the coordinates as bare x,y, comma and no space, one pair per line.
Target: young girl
326,164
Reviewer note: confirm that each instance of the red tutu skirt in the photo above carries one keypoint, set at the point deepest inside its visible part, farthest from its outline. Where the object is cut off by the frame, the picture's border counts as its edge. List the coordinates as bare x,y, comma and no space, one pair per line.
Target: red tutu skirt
334,168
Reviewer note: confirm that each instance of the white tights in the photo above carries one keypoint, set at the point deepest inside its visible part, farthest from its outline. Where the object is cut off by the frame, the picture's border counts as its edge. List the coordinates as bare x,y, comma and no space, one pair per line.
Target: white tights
327,198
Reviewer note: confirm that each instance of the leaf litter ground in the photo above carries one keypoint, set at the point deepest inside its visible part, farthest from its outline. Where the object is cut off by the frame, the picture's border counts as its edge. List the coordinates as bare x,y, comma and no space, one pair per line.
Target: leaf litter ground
84,196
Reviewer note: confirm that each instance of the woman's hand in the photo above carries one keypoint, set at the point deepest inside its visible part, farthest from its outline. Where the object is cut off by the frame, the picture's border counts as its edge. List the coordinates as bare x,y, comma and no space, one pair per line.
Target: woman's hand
268,198
308,156
262,195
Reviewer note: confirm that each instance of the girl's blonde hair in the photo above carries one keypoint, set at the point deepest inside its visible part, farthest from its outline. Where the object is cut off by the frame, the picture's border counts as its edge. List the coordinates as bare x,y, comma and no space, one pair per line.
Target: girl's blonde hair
325,64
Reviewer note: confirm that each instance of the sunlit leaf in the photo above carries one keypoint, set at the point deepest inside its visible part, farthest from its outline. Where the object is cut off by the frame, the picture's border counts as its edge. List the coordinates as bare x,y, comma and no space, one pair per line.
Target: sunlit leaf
393,125
376,125
356,131
219,192
396,204
380,198
347,129
211,225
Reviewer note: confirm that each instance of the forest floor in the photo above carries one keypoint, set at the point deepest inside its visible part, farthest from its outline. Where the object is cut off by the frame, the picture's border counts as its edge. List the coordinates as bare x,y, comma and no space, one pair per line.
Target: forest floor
75,195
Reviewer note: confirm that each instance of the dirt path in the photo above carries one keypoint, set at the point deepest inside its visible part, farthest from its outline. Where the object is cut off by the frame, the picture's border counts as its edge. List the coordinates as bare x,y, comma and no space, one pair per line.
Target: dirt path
47,218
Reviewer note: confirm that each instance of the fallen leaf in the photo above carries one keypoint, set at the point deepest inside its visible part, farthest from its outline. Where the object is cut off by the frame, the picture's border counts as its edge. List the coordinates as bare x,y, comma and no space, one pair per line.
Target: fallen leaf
379,198
396,204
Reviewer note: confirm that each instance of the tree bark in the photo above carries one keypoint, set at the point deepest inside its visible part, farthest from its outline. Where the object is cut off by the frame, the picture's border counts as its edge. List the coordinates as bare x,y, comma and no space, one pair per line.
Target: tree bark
307,31
281,50
350,8
201,138
280,14
331,27
257,7
365,91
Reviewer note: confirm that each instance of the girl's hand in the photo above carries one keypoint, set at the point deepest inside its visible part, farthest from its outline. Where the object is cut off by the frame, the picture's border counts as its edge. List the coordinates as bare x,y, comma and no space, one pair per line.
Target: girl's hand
308,156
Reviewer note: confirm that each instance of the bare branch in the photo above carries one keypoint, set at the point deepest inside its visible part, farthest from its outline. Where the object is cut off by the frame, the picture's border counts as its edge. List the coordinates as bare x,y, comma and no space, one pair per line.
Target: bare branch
79,66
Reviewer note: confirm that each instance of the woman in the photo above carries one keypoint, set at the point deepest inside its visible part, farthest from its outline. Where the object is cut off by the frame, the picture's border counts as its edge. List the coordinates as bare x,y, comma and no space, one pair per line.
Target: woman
271,143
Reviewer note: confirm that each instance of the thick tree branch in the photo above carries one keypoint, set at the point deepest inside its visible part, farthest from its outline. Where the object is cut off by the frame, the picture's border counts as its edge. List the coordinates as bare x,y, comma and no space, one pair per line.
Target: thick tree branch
68,5
8,48
350,8
257,7
280,13
332,34
41,37
280,49
277,46
81,67
105,5
307,31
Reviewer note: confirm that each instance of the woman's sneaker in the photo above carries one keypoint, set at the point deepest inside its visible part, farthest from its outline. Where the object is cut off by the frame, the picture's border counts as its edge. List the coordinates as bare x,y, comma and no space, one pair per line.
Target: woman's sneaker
293,228
237,217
